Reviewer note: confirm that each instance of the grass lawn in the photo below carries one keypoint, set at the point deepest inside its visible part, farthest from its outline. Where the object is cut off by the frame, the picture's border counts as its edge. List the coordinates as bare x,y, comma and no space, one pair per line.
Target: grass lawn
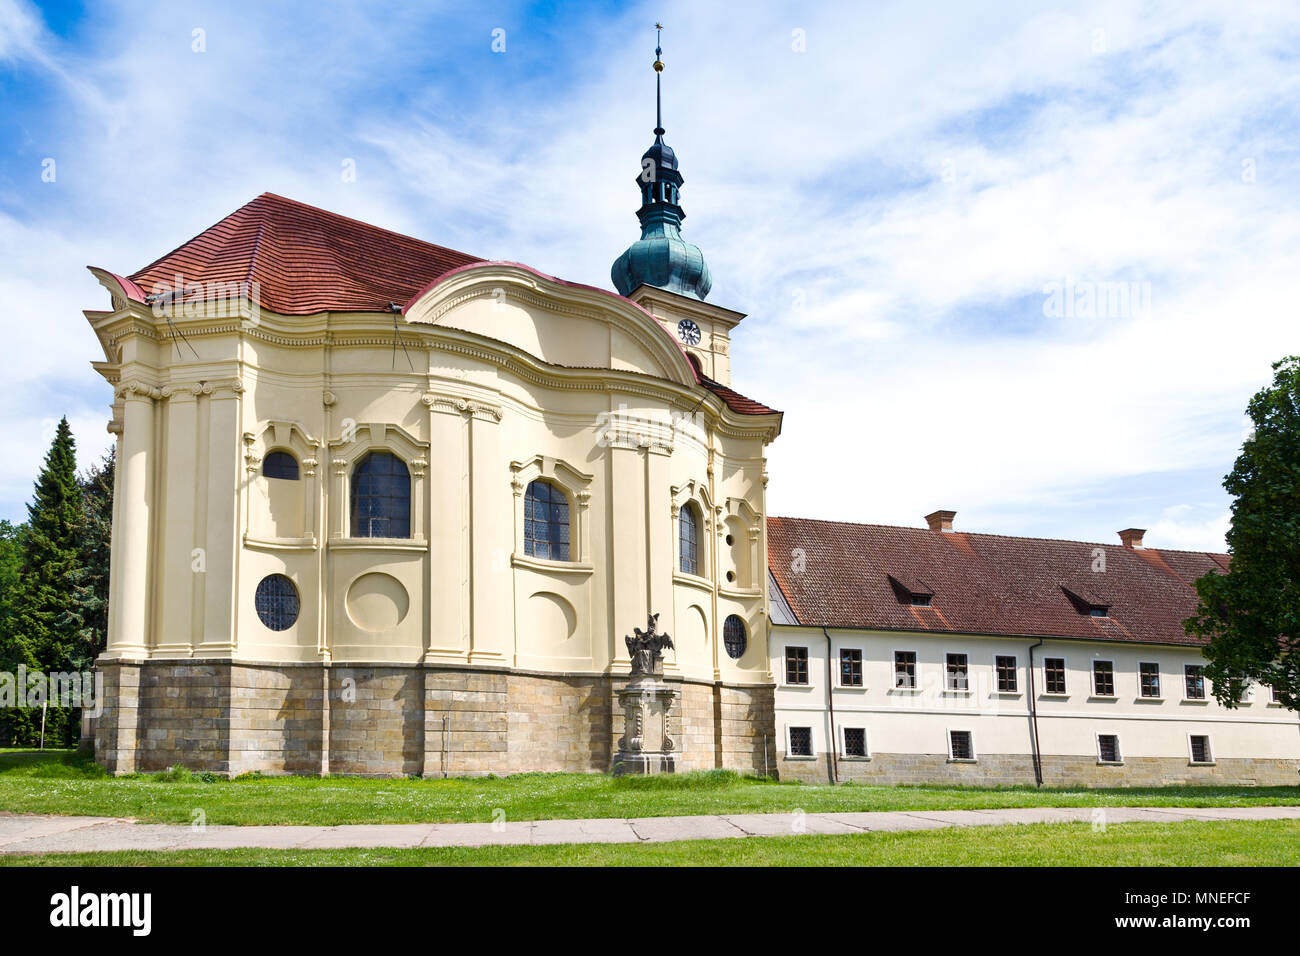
1193,843
62,782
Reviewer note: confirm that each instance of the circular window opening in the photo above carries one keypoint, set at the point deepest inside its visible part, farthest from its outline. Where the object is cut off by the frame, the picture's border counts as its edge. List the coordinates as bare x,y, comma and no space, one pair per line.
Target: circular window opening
730,540
731,575
733,637
277,602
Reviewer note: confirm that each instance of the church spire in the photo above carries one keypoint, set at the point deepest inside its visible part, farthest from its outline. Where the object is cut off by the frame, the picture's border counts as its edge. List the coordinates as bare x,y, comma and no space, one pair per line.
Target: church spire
661,257
659,70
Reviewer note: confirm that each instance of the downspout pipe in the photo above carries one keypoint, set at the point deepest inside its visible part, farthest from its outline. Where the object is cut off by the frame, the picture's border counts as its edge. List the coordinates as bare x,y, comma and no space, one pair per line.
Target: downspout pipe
1033,718
832,744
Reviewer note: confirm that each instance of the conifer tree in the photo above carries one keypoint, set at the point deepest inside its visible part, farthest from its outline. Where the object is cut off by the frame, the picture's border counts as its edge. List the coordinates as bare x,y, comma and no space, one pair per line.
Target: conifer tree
43,637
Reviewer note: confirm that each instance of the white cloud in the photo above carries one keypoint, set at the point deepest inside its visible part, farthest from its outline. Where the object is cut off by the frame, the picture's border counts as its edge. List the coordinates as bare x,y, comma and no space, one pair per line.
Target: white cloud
894,315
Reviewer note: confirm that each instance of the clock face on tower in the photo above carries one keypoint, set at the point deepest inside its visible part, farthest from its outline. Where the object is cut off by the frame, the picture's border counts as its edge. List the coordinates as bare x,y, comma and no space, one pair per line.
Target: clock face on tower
688,332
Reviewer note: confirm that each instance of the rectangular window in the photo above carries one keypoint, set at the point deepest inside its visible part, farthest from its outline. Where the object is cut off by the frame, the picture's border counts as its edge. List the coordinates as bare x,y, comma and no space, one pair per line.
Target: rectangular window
801,742
958,679
855,742
796,665
1103,679
1108,748
1194,678
850,667
905,669
1272,694
1054,672
1201,749
1149,679
960,745
1006,674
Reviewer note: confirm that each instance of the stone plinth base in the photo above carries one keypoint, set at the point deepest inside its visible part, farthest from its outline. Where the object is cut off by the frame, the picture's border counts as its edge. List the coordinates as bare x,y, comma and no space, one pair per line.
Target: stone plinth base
647,745
404,720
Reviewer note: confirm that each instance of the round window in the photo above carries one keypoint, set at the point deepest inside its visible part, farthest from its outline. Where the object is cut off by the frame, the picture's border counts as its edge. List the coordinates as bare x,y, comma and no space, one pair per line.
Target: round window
733,637
277,602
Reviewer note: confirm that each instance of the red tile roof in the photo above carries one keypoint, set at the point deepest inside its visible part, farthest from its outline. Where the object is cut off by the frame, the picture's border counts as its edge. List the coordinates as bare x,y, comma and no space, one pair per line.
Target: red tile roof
306,259
735,401
836,574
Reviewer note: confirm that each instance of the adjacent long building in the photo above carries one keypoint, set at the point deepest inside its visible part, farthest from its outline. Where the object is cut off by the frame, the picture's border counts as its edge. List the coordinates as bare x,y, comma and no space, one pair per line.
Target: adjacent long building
911,655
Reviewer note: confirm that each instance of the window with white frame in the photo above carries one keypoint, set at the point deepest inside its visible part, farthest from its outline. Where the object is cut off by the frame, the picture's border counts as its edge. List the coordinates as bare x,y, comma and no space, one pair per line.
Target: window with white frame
1194,681
1007,673
799,742
855,741
796,665
1149,679
905,669
1199,745
850,667
1103,679
961,745
957,675
1054,675
1108,748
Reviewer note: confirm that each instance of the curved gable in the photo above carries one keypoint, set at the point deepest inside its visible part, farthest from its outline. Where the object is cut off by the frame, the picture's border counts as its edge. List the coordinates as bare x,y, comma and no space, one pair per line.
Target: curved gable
561,323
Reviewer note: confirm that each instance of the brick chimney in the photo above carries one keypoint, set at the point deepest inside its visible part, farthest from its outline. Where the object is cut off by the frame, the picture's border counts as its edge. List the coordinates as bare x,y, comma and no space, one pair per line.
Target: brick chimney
1132,537
940,520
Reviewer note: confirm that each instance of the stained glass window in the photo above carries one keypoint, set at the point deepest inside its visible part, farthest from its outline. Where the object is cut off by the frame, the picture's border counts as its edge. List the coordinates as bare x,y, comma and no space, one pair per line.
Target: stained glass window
546,522
688,532
381,497
280,464
277,602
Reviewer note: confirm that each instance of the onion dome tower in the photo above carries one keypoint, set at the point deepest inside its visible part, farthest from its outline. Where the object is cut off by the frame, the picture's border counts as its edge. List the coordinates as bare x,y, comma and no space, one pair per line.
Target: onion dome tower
661,258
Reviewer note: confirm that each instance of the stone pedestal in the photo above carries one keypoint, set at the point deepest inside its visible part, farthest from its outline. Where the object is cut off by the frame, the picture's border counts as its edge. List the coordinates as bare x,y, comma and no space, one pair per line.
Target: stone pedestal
647,745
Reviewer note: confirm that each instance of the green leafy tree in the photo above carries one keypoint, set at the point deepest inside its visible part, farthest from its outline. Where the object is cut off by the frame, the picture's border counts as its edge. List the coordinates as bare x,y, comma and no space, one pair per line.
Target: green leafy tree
88,617
11,563
1251,613
43,637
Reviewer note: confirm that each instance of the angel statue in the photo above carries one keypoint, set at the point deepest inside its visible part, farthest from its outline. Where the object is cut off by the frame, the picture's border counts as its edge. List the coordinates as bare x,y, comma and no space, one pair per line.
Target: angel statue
646,649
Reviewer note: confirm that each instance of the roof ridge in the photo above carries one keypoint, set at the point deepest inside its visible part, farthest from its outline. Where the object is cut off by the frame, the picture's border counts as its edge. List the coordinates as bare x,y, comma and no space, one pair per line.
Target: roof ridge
361,222
985,534
190,241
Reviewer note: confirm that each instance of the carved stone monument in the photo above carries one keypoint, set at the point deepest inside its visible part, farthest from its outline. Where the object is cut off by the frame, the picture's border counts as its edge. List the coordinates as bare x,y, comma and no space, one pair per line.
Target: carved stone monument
647,745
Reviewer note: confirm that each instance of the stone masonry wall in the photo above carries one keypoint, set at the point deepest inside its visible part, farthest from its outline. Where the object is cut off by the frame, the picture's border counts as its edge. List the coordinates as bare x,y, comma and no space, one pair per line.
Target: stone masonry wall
395,720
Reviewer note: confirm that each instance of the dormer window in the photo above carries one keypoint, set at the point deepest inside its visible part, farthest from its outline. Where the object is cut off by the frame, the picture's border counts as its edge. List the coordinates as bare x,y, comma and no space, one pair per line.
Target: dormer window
1086,599
911,590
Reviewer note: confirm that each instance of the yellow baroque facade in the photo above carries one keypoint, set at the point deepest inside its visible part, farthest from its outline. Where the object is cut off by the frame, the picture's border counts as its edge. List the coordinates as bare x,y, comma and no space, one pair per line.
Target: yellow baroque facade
453,642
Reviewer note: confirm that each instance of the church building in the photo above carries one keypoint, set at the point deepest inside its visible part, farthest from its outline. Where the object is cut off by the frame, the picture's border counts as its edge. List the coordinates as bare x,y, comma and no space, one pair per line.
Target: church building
387,508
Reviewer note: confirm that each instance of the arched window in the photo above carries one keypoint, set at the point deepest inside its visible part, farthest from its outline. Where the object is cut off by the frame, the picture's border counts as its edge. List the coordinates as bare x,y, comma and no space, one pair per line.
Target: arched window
277,602
733,637
381,497
688,536
546,522
280,464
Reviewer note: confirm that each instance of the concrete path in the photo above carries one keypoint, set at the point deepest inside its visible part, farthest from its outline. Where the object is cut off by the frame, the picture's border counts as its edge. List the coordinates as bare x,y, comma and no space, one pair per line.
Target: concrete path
24,833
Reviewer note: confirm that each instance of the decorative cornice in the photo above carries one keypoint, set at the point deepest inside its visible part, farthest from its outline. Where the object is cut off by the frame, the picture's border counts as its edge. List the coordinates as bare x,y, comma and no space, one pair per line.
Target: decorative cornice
458,405
134,388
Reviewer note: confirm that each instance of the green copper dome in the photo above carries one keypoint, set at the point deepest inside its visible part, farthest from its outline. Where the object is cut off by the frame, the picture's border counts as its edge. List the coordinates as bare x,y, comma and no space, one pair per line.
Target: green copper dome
661,257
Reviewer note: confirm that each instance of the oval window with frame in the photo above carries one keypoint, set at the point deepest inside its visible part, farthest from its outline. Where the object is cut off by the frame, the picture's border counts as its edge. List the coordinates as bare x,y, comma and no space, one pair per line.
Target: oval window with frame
734,637
277,602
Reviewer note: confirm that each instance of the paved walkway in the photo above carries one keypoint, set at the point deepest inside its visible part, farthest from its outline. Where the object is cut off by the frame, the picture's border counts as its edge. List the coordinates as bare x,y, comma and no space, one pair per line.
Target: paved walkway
28,833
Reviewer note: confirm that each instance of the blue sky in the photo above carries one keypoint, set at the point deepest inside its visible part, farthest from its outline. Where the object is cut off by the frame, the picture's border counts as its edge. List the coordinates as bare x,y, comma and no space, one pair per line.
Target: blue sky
892,192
